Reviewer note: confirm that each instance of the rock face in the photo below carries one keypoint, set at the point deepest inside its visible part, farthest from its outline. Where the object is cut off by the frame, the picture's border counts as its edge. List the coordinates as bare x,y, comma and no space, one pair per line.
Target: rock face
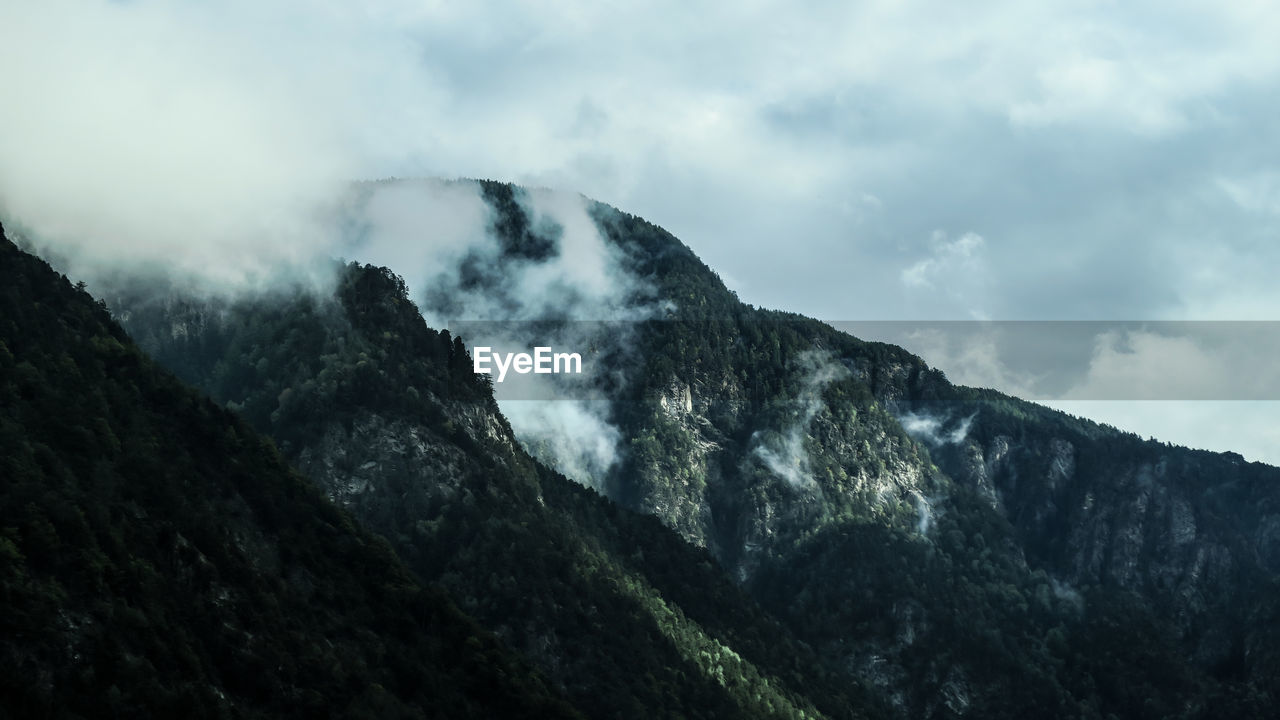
1142,517
742,450
688,466
1192,533
373,459
741,494
1091,516
359,467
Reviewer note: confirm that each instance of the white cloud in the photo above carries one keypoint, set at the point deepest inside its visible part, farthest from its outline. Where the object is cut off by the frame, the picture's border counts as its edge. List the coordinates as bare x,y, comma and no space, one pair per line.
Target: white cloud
128,122
932,429
198,137
955,270
1092,89
1258,192
570,435
575,293
951,260
417,228
782,450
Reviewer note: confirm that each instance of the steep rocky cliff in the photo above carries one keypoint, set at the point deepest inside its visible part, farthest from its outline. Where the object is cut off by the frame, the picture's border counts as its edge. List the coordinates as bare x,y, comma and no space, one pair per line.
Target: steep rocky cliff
1193,532
776,438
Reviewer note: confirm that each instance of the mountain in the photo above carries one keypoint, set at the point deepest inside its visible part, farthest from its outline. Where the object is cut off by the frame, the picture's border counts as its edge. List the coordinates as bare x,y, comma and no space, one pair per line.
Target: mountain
160,559
945,551
1004,551
387,415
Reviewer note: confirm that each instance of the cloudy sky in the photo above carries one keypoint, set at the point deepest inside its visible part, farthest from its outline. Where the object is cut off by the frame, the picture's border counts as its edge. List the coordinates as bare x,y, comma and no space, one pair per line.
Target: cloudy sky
847,160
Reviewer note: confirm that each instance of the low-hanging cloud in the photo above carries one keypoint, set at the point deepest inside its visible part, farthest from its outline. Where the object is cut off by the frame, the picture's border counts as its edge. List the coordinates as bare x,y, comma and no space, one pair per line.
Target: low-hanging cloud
1116,141
571,436
1087,140
1114,159
925,513
782,451
936,430
219,145
208,141
556,282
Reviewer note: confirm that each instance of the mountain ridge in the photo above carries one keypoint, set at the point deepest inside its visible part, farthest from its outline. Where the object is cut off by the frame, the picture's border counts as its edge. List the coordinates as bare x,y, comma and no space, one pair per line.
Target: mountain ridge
539,557
160,559
954,577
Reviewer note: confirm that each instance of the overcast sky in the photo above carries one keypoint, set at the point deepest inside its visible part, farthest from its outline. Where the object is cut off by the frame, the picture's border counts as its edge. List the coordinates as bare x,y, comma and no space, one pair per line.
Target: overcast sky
850,161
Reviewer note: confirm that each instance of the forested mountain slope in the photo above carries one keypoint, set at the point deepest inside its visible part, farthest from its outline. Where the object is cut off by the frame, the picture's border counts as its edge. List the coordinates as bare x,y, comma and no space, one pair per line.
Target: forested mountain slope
964,536
1007,561
387,415
159,559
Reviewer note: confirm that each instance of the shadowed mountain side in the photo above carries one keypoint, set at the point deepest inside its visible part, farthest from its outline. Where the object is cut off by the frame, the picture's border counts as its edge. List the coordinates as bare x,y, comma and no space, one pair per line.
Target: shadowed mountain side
160,559
387,415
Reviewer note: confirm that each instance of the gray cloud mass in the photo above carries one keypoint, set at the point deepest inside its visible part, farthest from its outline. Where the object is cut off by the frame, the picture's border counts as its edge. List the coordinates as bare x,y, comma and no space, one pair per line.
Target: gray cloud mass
1116,161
